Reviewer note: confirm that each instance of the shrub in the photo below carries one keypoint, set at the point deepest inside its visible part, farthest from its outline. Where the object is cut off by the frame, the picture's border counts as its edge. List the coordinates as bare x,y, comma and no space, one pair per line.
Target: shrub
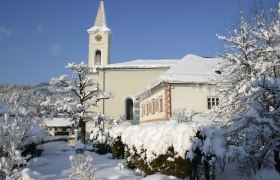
137,160
99,141
102,148
117,148
181,115
32,150
172,164
201,164
187,149
203,159
142,163
82,167
169,163
131,157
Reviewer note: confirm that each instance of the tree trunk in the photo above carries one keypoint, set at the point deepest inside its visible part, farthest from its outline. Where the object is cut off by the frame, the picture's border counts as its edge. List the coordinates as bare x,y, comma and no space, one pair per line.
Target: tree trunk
206,170
83,131
277,160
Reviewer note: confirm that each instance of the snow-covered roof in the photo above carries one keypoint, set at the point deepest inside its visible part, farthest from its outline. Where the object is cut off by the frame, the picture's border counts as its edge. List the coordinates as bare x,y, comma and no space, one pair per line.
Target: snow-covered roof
58,122
141,64
190,69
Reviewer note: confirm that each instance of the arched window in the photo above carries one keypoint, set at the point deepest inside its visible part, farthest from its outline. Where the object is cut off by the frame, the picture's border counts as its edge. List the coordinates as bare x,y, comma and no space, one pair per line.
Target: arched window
129,108
98,57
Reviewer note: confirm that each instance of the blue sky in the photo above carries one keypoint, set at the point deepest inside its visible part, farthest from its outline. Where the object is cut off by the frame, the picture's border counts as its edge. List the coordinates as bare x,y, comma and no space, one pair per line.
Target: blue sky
38,38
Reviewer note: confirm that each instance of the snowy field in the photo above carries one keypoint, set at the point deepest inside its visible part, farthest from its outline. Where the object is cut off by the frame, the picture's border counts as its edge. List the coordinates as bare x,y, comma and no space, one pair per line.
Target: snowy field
54,164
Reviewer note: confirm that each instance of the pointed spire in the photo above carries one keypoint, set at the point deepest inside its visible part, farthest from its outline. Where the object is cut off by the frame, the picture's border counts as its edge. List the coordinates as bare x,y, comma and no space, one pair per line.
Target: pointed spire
100,20
100,23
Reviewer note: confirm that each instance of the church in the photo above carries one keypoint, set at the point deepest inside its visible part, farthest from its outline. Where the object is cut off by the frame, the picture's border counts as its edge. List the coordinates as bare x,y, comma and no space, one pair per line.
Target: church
149,90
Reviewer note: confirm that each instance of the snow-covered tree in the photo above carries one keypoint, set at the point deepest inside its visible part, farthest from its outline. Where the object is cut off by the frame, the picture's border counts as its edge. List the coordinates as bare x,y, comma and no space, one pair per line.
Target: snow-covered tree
83,93
250,85
15,133
181,115
82,167
19,127
26,99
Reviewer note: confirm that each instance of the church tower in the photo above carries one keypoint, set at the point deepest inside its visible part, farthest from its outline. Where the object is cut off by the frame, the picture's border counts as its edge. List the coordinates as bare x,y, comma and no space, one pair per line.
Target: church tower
99,39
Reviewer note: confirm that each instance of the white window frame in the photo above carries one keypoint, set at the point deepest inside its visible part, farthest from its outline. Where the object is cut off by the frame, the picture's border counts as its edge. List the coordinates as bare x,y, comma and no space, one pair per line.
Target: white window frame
212,101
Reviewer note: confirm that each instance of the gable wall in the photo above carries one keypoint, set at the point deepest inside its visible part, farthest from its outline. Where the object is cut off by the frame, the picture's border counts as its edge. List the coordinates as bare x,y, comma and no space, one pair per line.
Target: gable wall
192,97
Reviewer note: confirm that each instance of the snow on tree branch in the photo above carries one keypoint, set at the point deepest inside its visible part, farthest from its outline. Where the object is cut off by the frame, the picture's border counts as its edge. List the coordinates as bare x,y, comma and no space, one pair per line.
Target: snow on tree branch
250,86
83,91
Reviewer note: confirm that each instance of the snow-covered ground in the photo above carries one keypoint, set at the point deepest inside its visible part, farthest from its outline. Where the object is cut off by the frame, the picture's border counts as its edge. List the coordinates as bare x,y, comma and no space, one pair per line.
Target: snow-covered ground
54,164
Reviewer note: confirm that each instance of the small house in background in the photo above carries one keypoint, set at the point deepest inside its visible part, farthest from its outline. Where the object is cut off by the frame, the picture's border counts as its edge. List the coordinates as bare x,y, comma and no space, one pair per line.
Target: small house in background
59,126
188,84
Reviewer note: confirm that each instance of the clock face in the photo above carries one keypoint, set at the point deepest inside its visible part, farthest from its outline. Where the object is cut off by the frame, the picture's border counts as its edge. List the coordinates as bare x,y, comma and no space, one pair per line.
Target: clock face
98,38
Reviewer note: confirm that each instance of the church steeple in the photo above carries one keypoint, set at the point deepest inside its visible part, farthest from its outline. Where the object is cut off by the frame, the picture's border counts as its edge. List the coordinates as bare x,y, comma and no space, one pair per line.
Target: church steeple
100,20
99,39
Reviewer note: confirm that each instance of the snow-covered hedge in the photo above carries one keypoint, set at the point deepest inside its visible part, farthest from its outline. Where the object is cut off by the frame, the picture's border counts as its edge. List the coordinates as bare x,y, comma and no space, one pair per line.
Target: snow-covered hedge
157,147
156,138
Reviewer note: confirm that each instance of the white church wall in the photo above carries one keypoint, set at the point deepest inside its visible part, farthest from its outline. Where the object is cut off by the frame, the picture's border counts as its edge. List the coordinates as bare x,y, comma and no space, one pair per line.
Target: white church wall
123,83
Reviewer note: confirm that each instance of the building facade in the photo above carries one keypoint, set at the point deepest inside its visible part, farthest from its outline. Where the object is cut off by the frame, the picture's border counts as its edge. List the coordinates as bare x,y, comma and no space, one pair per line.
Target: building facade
123,80
187,85
60,126
148,90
